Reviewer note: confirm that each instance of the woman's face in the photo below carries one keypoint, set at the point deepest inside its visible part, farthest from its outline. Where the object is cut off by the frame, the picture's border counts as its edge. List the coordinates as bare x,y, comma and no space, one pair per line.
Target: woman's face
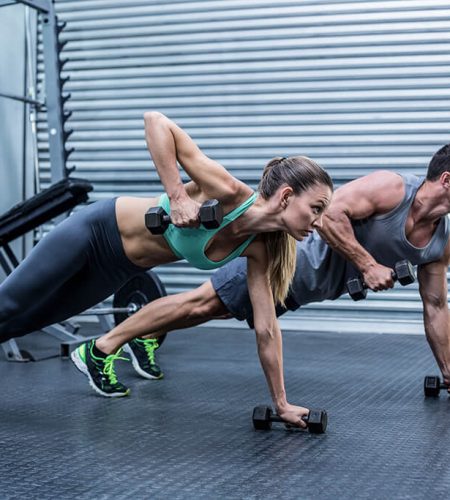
303,212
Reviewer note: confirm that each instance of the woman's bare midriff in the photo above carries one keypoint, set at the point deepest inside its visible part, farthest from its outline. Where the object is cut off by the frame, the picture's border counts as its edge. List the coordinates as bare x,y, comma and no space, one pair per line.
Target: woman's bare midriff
141,247
148,250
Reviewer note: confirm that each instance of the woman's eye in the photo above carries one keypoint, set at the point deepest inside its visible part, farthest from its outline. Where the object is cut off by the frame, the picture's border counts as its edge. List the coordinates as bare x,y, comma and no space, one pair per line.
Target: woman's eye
316,210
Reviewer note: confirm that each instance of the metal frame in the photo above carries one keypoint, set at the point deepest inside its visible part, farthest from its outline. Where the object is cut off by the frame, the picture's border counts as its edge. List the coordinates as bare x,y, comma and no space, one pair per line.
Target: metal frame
54,100
56,118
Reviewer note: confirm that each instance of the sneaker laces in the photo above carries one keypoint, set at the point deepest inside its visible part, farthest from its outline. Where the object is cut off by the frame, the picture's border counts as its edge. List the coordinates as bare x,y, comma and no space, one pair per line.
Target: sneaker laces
108,367
150,346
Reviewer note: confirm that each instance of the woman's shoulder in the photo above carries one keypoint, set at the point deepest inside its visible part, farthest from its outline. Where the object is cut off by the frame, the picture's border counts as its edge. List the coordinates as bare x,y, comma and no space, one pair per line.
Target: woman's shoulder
237,194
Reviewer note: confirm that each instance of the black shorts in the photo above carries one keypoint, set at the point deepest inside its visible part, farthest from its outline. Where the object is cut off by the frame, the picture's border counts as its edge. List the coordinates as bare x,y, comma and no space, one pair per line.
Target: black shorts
230,284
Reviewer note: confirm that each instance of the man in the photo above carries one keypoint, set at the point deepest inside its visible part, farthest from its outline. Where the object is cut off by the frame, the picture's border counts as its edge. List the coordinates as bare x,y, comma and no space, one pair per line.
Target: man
372,223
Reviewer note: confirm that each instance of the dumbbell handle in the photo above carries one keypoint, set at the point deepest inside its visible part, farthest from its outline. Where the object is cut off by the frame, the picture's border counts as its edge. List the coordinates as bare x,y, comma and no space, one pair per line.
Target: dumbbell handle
442,385
276,418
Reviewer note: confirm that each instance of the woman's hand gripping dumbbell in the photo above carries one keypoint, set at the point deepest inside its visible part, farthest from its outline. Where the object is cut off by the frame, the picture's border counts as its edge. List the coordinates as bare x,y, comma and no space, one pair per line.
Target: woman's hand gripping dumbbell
263,416
210,215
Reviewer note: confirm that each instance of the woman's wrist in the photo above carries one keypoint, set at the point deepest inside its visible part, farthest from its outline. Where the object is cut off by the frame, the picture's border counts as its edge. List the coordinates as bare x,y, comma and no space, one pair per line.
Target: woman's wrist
280,403
177,192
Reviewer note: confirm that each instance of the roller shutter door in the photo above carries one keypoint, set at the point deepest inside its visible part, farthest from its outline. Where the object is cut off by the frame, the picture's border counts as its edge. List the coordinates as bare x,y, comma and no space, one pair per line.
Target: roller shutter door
356,85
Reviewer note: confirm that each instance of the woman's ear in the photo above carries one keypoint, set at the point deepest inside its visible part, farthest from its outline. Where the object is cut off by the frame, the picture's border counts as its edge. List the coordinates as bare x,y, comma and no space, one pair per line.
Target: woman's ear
286,193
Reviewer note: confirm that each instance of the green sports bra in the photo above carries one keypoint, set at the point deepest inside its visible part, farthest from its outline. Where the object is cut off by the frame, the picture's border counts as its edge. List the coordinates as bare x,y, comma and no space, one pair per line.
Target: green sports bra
190,243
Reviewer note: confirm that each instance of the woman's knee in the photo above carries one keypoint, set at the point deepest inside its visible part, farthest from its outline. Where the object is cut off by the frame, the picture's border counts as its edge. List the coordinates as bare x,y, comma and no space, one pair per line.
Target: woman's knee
12,316
205,303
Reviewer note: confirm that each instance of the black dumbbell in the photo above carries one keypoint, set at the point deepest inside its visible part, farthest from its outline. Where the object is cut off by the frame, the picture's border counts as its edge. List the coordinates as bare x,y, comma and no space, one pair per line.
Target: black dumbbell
432,386
210,214
403,273
263,416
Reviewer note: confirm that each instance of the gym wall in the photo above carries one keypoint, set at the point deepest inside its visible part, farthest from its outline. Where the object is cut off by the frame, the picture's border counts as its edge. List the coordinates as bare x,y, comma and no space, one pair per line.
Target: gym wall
356,85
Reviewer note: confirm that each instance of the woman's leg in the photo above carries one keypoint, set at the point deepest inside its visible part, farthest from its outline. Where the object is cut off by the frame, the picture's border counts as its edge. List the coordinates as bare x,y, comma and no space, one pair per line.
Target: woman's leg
165,314
96,359
28,293
72,268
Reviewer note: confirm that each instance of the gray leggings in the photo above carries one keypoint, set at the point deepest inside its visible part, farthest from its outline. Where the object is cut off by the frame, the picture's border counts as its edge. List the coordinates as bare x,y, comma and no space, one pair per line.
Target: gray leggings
78,264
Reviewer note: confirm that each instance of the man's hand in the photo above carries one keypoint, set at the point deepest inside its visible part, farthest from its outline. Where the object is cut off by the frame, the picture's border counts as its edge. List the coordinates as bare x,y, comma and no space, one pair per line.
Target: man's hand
292,415
446,380
378,277
184,212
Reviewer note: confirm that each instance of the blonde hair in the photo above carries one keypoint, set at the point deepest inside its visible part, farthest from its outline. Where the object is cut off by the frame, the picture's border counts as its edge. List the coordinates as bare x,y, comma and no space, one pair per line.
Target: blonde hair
300,173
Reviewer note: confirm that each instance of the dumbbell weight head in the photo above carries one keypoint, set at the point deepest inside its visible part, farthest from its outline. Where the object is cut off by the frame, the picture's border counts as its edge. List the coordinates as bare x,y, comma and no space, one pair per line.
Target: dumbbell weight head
211,214
404,273
263,416
157,220
432,386
317,421
356,289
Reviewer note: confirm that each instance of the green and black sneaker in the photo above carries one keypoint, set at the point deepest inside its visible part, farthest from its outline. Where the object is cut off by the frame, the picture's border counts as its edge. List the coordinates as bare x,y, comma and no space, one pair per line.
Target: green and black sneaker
99,370
142,354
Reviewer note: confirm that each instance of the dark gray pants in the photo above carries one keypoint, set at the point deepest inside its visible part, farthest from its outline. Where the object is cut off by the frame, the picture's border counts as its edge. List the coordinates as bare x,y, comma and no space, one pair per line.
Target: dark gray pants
78,264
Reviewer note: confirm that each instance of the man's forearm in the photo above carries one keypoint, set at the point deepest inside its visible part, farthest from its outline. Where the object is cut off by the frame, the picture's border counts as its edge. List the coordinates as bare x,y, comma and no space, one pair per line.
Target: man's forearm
437,330
337,231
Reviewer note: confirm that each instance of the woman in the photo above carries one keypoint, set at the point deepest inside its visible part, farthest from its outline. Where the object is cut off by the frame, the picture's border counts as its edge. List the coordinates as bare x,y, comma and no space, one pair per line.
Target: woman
89,255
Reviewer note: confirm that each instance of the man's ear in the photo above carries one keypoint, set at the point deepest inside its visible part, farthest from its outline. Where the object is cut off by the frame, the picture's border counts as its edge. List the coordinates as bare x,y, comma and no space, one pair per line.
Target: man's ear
445,180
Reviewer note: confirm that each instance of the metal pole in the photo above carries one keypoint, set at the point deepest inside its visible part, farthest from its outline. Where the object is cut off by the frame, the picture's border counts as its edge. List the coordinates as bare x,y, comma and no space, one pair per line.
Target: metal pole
54,99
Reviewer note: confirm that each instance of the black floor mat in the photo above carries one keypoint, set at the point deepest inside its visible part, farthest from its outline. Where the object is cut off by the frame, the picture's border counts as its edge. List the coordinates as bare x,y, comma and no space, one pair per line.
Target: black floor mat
190,435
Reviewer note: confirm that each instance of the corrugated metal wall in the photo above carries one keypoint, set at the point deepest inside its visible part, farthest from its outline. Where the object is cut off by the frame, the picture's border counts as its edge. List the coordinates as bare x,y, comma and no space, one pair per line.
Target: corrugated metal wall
356,85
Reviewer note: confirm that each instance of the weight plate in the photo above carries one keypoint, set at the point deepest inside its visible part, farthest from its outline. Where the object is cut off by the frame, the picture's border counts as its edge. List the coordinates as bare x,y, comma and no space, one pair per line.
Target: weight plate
140,290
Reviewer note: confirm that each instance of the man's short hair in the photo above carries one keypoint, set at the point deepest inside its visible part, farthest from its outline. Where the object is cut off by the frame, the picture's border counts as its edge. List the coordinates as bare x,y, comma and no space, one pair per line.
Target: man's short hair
439,163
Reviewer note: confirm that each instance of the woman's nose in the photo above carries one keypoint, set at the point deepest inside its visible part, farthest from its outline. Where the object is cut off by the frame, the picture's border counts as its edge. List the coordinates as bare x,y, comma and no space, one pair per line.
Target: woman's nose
317,222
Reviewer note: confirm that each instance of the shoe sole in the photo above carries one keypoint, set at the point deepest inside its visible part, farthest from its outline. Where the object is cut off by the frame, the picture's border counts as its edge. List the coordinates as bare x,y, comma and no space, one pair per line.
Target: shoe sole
81,366
136,366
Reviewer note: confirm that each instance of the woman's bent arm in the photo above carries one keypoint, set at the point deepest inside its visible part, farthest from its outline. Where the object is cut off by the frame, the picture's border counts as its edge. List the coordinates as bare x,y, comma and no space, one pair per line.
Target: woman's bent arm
167,143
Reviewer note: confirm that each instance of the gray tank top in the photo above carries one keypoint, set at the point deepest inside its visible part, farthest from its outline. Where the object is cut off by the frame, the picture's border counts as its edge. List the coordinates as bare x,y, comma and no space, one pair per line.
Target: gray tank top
322,273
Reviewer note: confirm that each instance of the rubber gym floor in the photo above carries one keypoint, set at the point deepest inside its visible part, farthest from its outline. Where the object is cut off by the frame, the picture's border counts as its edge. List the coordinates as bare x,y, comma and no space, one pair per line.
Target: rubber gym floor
190,435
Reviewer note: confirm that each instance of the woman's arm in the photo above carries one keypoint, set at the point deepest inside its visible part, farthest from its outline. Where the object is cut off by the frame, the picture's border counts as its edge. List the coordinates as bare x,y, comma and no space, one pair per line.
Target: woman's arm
268,334
168,143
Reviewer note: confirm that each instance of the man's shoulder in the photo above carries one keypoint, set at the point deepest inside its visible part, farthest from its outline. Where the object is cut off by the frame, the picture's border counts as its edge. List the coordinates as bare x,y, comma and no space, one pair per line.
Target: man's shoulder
377,192
386,176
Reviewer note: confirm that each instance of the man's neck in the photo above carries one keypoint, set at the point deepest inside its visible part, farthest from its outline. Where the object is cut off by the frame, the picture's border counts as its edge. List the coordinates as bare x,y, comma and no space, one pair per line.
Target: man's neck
429,205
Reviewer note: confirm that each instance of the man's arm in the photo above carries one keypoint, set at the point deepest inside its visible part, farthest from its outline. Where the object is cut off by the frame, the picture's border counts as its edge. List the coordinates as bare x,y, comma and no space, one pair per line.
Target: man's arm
433,291
373,194
268,333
